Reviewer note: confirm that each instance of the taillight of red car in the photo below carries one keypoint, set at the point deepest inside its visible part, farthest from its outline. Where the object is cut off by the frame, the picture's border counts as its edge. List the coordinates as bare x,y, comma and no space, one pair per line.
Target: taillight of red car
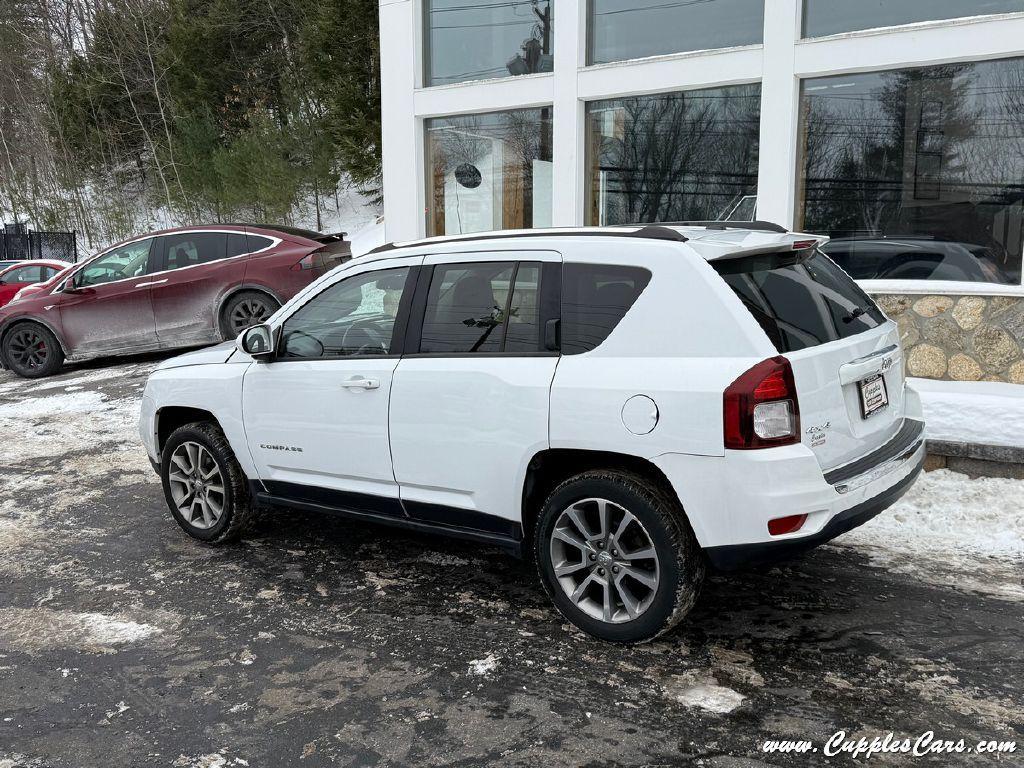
761,409
314,260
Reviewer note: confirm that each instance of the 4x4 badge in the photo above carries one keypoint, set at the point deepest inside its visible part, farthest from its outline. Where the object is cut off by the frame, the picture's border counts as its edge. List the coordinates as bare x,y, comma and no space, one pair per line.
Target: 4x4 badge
819,434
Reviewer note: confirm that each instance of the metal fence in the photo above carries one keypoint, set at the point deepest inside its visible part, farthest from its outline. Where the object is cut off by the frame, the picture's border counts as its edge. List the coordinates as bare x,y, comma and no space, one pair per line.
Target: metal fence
20,243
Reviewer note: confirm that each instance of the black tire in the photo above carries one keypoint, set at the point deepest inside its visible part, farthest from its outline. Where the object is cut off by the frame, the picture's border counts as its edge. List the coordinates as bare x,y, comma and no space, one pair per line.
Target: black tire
32,351
244,310
235,501
679,568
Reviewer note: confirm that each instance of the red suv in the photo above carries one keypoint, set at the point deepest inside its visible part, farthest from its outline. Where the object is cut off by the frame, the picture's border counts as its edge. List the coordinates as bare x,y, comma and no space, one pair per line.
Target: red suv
177,288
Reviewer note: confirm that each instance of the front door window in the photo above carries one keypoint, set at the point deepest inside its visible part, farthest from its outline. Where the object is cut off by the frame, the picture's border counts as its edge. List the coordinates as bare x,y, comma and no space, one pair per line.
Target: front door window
353,317
121,263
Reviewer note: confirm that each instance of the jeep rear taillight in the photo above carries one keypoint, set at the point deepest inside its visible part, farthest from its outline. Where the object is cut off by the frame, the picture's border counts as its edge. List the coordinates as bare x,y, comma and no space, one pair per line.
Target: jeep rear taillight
761,409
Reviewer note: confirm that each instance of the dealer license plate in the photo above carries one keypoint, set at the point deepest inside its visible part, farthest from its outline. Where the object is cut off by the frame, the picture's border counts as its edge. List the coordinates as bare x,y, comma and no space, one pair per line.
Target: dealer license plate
873,396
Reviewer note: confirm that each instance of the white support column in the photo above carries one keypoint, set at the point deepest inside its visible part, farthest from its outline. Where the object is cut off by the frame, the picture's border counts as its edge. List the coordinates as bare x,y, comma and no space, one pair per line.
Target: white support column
402,139
780,104
570,54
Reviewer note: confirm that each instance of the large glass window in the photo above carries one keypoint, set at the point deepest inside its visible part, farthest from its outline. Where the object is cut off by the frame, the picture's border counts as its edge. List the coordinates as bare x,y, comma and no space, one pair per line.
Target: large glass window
490,171
917,173
355,316
483,39
673,156
626,29
829,17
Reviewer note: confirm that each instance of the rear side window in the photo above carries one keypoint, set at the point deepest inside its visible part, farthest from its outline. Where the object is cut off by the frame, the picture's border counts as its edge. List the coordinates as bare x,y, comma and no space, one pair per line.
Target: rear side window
240,243
237,244
190,248
800,299
483,307
595,298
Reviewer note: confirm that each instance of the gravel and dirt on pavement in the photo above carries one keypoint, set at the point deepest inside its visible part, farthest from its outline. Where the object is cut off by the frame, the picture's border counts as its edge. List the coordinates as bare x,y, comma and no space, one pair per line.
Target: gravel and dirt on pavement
318,641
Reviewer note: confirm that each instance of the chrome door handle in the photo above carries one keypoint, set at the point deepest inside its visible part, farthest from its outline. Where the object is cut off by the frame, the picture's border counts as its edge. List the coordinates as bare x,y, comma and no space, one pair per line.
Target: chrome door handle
358,382
153,282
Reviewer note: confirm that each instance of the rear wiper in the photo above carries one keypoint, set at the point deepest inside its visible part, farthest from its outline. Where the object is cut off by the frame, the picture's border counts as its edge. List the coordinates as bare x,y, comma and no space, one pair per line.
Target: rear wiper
857,312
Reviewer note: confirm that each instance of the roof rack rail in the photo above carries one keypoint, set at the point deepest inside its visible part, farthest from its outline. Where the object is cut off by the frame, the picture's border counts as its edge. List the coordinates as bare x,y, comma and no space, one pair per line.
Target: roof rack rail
757,226
657,232
650,232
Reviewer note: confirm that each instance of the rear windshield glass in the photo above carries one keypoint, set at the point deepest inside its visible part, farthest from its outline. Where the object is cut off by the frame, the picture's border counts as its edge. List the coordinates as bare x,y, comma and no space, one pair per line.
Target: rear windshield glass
800,299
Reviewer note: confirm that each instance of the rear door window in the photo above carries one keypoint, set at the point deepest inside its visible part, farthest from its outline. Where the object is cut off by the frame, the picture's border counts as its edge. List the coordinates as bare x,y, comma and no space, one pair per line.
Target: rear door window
483,307
190,248
595,298
801,299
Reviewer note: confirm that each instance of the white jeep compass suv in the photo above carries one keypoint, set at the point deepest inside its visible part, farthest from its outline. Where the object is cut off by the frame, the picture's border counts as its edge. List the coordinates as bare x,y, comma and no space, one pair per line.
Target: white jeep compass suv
624,405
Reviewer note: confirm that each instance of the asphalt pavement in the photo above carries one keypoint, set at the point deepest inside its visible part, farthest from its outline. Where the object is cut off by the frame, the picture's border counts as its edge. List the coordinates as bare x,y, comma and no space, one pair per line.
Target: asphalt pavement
318,641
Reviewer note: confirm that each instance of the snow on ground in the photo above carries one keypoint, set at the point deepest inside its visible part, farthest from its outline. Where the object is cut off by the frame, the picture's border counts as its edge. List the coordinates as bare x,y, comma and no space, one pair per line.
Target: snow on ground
699,691
367,238
985,412
38,628
952,529
56,445
352,213
347,211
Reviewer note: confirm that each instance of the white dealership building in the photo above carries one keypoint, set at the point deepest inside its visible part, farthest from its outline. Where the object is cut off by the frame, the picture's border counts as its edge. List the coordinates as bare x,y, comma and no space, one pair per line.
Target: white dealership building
894,126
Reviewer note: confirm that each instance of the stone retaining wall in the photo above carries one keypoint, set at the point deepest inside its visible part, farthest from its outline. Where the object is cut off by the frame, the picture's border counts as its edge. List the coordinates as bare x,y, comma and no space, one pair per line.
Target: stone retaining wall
960,338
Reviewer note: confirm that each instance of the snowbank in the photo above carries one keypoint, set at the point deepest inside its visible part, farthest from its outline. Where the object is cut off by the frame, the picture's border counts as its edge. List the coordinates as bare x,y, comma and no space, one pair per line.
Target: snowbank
984,412
369,237
947,514
950,529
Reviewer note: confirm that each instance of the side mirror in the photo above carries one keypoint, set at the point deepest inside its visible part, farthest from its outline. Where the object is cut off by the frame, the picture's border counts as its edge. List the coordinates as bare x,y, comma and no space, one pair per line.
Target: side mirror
257,342
69,286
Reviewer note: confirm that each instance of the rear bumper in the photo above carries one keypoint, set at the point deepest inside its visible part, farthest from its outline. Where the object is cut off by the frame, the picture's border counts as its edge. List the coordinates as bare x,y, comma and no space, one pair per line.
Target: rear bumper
737,556
730,499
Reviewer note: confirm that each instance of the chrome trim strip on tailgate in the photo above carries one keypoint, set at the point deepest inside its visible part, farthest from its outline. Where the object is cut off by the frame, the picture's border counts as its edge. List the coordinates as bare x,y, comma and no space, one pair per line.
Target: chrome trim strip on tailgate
881,461
869,365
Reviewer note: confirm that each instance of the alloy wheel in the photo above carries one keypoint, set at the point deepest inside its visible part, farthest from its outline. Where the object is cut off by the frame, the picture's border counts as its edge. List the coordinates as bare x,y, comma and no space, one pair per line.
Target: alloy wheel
197,485
249,312
604,560
27,349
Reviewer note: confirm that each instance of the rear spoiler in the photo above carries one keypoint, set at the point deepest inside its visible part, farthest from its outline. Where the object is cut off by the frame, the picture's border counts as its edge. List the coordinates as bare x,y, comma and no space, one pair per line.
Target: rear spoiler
795,252
331,238
790,243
